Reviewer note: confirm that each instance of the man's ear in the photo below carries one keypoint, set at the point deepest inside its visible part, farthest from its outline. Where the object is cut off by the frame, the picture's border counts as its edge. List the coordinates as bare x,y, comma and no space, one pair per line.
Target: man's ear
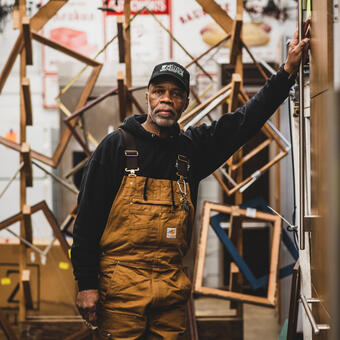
147,96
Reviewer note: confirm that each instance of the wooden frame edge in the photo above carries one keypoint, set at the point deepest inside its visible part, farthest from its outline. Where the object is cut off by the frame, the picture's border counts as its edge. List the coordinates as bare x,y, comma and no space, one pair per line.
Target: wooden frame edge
271,299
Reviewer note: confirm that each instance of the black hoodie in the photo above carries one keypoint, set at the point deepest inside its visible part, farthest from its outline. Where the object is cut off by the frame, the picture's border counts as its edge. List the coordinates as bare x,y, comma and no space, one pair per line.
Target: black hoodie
206,146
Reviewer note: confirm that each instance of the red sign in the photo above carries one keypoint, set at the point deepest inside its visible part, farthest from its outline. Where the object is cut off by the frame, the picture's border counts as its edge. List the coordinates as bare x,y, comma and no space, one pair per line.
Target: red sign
116,7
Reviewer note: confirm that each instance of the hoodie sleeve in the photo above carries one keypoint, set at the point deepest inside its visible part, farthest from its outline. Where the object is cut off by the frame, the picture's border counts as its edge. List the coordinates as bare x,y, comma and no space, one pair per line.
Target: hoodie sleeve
100,183
215,143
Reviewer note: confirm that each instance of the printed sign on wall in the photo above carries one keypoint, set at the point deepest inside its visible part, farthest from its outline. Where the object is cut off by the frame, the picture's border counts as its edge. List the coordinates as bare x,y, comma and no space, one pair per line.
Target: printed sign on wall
78,25
158,7
263,27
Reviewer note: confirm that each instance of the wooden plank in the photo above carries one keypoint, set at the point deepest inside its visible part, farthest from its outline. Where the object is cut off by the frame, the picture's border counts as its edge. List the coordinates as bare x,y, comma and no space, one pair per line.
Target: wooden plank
24,227
274,261
270,300
221,183
77,136
37,22
16,17
6,327
82,101
26,214
56,230
256,300
201,106
323,184
36,155
121,41
322,47
242,182
208,50
226,23
251,154
27,168
18,45
25,279
266,129
127,59
235,39
236,81
121,95
259,67
41,206
238,56
264,168
45,13
63,49
25,85
236,236
135,102
19,216
234,284
90,104
26,29
218,14
201,248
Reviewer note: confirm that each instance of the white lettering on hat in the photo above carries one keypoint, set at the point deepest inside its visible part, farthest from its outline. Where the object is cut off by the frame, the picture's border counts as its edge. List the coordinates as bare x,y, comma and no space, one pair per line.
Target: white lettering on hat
172,68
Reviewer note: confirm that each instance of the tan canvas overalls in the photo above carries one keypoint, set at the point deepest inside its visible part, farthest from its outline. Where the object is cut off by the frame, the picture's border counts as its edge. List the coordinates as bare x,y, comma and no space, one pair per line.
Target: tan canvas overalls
143,288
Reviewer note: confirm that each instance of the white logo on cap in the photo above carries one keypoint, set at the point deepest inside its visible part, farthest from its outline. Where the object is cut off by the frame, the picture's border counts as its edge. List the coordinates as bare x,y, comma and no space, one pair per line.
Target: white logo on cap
172,68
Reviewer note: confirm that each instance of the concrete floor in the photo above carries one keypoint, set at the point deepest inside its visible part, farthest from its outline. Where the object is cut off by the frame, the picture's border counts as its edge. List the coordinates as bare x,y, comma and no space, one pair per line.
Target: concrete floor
259,322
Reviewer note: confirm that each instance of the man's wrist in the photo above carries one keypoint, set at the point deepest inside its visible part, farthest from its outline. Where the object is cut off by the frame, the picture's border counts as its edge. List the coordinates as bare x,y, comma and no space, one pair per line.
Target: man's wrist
291,72
87,283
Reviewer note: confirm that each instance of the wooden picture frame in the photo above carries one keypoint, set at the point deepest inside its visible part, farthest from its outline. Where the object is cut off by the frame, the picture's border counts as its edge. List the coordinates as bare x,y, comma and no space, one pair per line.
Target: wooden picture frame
37,23
273,137
271,299
41,206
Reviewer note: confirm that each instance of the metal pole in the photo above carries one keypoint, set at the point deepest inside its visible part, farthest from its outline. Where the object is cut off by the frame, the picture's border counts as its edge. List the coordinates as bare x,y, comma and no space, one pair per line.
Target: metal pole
302,138
11,179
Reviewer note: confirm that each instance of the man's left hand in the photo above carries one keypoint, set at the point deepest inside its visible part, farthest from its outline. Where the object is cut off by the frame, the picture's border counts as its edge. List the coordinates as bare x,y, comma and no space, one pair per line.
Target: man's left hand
297,50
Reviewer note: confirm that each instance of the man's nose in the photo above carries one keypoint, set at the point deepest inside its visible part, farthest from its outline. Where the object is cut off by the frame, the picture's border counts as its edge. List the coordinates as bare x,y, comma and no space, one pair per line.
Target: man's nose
166,97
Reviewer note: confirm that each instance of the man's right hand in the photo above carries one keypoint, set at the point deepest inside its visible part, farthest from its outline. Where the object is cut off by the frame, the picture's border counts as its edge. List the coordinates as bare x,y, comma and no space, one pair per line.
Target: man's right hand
87,302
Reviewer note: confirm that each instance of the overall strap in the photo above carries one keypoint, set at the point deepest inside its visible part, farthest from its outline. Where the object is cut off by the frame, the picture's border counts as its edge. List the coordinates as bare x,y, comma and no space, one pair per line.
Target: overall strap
182,166
182,161
131,153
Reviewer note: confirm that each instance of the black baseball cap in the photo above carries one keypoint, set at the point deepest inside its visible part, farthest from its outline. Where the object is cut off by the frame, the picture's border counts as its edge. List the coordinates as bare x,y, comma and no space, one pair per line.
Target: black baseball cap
174,70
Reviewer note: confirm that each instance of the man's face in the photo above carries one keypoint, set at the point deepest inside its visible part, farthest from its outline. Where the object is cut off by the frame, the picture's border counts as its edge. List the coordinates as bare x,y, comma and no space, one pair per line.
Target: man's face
166,102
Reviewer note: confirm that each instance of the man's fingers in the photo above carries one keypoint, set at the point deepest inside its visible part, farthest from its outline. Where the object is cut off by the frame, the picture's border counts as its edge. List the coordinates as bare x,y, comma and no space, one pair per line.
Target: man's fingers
303,45
92,317
85,312
296,35
306,27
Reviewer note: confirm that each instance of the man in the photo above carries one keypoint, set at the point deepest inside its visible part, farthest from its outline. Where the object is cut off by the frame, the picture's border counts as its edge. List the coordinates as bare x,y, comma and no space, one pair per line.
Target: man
137,199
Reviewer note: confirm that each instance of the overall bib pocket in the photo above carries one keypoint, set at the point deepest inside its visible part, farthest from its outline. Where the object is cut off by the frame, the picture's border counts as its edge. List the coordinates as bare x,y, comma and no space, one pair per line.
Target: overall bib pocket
146,221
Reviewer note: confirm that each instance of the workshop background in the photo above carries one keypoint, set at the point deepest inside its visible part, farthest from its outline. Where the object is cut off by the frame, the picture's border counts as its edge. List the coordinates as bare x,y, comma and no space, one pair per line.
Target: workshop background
89,62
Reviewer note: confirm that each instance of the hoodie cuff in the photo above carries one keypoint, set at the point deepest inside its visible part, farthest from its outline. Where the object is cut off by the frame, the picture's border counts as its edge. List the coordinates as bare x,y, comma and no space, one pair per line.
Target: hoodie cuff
289,77
87,283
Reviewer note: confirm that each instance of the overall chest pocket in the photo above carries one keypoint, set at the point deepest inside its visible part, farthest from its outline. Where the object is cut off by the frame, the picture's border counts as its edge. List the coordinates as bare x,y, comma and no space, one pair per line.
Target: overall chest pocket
148,222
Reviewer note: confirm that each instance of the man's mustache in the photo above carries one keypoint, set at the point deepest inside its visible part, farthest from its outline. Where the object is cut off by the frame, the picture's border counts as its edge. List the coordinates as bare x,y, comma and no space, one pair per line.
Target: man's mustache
167,110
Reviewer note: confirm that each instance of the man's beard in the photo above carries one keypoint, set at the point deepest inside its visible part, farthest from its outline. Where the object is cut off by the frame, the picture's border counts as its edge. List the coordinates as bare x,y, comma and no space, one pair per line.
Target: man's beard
162,122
